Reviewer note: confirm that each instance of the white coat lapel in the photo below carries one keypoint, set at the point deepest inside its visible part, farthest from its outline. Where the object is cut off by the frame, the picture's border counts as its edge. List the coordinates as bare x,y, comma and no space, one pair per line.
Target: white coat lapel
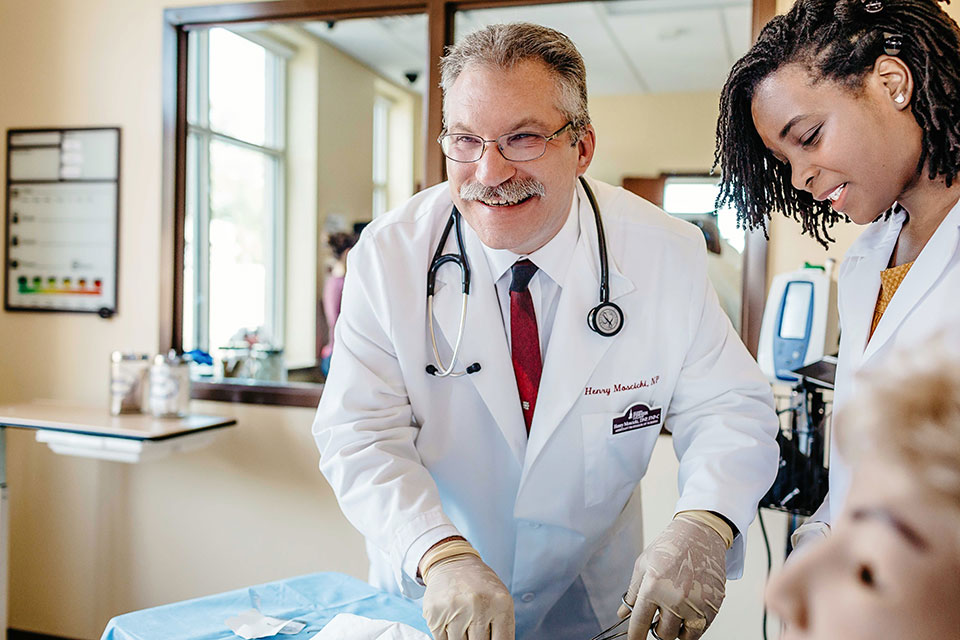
484,339
575,350
924,273
863,286
860,290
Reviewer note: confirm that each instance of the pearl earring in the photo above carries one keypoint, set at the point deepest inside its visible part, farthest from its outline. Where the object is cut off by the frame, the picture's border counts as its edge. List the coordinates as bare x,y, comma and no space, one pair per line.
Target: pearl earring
900,99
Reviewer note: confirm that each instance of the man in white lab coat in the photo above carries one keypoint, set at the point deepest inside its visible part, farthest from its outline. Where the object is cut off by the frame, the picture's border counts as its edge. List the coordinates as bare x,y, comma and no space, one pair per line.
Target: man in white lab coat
508,495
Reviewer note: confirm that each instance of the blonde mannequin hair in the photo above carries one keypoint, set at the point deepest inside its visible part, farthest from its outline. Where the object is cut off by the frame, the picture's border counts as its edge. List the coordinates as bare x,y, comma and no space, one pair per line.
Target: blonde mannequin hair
907,411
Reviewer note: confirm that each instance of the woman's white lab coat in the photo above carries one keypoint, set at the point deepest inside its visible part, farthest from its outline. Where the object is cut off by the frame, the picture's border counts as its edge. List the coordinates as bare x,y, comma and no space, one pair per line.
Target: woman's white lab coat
926,301
406,452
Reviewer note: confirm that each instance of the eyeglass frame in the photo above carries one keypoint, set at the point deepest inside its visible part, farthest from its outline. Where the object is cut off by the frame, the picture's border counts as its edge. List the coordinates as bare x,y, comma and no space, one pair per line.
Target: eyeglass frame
546,139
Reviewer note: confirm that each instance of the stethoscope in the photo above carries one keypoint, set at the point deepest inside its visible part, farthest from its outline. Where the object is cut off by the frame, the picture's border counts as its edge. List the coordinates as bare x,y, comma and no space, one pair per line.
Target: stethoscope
606,318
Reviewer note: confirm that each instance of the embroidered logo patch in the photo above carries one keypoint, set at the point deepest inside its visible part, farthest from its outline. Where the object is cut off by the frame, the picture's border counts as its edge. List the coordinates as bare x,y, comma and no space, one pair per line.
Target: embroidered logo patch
637,417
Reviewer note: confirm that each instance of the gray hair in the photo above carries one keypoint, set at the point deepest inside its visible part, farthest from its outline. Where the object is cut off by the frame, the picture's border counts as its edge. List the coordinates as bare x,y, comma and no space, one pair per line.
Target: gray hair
505,45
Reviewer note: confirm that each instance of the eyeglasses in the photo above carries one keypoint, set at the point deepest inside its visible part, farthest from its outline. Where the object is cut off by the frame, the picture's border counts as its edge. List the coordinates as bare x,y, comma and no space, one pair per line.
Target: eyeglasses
515,147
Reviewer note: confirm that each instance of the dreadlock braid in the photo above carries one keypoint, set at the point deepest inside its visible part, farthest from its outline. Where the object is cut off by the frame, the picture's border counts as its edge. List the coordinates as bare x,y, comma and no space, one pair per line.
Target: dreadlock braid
836,40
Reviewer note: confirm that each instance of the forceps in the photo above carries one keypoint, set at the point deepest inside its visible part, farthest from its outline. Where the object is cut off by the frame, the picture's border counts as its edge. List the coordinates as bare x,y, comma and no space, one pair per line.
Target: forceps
611,632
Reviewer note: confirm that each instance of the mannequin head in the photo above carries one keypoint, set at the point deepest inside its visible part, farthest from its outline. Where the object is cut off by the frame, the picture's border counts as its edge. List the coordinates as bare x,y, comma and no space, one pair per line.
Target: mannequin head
891,566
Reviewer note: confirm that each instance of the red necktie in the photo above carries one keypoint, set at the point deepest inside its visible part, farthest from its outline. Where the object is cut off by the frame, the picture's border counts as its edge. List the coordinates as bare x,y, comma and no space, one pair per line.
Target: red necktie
524,338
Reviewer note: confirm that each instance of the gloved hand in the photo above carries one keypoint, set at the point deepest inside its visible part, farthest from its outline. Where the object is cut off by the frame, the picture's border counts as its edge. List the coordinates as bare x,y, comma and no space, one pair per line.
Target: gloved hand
465,600
807,535
682,573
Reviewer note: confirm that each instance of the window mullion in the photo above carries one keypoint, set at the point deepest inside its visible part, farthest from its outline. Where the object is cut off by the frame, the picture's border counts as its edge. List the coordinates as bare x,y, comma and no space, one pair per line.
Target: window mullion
202,231
275,297
203,80
202,234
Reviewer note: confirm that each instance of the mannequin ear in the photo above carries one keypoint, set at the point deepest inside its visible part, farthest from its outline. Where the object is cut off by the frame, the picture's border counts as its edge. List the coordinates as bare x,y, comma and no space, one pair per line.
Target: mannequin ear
896,79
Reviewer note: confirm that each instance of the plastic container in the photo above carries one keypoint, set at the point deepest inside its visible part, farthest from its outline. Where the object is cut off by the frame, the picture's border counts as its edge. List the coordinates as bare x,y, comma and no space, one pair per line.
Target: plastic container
128,381
169,386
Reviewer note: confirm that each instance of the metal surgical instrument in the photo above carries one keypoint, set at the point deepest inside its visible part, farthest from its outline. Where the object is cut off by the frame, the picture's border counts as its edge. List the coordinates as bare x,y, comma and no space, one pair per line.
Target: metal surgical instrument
611,632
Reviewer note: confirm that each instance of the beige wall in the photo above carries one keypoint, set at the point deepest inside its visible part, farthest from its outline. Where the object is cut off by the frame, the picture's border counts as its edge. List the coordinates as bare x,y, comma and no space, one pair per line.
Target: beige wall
92,539
302,228
346,144
679,126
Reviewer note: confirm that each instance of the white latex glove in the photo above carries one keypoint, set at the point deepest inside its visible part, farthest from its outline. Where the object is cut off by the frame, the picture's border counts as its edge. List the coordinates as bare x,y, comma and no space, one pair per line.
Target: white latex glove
682,573
465,600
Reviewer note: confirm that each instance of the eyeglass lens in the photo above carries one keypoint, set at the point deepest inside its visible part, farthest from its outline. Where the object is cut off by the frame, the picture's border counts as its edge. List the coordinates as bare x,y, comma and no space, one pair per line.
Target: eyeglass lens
518,147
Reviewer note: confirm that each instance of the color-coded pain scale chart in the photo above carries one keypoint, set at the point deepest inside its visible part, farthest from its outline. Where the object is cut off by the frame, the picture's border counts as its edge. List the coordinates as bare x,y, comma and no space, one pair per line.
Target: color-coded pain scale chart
25,286
62,216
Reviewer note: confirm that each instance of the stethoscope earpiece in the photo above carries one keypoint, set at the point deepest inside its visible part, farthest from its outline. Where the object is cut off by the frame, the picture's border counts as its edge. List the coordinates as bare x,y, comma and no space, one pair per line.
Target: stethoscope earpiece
432,370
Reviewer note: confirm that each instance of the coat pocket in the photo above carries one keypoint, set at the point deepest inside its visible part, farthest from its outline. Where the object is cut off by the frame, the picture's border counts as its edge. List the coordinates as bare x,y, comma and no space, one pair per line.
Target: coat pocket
613,463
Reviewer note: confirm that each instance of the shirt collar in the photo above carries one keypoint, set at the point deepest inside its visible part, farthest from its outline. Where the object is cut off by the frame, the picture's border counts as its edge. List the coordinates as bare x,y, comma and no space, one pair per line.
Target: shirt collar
552,258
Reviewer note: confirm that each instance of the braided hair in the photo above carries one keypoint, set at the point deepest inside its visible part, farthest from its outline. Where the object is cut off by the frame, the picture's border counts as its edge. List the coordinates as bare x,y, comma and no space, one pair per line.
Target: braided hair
837,40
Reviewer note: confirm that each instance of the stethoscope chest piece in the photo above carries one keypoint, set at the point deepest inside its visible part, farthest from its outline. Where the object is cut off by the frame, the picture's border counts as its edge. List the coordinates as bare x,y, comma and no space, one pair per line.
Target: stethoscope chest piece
606,319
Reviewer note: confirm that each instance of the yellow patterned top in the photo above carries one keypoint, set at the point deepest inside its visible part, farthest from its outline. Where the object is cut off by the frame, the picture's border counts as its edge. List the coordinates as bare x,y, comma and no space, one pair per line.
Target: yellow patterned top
890,280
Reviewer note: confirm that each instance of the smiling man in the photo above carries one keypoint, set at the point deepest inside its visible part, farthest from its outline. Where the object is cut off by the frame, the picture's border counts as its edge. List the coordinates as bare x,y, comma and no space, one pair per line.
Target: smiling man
461,427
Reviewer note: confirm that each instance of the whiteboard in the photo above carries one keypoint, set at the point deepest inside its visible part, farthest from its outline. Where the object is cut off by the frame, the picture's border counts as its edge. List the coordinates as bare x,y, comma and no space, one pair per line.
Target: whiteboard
62,220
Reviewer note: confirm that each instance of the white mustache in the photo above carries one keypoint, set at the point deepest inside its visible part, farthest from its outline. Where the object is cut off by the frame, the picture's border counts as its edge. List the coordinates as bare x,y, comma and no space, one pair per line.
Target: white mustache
512,191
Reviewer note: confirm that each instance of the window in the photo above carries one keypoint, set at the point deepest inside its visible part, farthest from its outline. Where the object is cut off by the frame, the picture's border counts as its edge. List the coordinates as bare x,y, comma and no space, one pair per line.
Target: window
693,198
234,227
683,195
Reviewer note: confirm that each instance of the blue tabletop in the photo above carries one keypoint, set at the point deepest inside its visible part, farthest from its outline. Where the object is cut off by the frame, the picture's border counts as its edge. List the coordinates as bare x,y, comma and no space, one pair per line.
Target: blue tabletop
314,599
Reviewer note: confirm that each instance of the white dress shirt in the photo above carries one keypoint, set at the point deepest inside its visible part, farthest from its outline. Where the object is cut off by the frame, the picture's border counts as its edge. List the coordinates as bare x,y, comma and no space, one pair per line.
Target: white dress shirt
552,260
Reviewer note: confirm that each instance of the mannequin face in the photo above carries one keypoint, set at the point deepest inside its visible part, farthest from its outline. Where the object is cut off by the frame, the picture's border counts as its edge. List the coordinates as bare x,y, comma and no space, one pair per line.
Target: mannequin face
890,569
862,145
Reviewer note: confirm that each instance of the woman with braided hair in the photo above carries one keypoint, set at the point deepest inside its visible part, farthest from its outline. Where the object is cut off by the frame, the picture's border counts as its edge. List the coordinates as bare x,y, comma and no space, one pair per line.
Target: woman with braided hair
851,109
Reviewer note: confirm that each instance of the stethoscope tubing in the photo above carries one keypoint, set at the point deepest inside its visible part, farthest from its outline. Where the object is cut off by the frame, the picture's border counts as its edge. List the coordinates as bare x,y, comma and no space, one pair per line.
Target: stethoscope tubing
447,371
440,259
601,243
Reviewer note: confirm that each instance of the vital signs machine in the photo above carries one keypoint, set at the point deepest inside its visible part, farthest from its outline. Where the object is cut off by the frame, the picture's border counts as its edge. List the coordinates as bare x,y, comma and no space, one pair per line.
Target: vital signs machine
800,322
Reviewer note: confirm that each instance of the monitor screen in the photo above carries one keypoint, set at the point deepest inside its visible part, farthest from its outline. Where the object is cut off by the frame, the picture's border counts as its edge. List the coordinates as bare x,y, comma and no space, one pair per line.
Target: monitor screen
796,310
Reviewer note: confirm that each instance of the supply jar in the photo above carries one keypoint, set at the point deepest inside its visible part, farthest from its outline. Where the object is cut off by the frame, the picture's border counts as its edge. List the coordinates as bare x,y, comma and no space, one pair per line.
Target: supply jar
128,381
169,386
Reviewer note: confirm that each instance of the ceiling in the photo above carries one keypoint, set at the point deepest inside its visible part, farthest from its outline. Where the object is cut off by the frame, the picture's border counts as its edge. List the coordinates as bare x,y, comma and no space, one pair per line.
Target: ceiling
629,46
